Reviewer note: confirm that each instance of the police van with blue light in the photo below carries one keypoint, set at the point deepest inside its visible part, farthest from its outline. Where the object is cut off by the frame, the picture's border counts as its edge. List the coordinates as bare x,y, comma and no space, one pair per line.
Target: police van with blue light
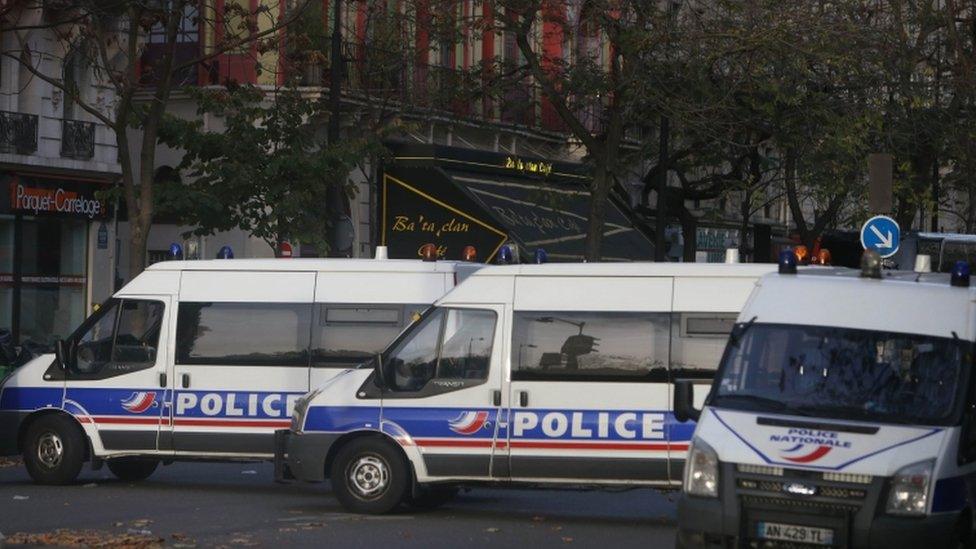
843,414
204,359
555,374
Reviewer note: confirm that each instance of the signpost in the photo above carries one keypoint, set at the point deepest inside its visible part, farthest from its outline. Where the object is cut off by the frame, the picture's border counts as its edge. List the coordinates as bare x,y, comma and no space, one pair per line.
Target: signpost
881,234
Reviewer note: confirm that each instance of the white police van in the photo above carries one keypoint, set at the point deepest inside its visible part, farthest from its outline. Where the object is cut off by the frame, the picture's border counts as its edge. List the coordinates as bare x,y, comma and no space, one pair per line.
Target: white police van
843,414
535,374
205,359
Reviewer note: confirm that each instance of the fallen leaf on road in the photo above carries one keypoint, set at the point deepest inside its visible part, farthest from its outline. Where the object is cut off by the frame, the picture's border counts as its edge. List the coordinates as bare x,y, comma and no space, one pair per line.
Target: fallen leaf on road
538,519
90,485
85,538
139,523
556,528
287,530
10,462
493,529
567,540
249,472
20,498
117,524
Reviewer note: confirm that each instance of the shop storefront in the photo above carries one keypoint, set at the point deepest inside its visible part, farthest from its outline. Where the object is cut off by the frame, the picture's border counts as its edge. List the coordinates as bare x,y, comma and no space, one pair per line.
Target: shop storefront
454,198
46,225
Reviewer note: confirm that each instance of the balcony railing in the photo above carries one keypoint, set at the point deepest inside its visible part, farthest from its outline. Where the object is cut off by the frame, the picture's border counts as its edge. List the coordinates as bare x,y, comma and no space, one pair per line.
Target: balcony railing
77,139
18,132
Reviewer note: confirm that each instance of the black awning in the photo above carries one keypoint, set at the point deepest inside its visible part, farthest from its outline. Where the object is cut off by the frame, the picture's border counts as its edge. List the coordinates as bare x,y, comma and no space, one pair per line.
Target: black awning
455,203
553,217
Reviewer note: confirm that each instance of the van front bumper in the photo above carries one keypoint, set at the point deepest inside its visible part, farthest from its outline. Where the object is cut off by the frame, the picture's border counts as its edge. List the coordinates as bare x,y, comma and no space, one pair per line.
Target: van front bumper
301,456
9,429
731,520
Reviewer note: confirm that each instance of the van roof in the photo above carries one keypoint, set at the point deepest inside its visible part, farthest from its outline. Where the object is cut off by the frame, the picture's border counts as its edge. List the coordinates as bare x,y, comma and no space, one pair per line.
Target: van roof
753,270
313,264
901,301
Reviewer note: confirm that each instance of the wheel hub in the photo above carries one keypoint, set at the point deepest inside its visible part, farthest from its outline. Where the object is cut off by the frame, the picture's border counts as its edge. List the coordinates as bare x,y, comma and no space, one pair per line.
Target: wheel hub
50,450
369,476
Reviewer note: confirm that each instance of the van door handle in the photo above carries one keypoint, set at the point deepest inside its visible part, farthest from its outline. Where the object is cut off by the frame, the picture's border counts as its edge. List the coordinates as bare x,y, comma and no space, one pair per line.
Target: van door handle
523,398
496,397
162,380
186,381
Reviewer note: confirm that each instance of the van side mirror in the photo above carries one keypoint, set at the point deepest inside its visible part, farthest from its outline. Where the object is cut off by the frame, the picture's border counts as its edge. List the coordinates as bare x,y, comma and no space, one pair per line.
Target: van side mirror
684,401
61,352
379,376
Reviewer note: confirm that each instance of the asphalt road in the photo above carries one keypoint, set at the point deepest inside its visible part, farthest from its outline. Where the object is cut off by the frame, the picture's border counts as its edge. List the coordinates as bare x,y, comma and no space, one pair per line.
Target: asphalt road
234,505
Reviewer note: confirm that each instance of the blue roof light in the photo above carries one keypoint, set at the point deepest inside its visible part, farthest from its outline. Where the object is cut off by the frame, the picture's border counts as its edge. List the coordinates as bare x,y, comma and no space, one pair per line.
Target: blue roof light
541,256
960,274
225,253
787,262
175,251
505,255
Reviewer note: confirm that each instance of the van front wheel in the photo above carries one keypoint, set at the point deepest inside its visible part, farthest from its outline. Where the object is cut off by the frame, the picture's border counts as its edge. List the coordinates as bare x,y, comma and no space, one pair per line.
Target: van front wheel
369,476
132,469
54,450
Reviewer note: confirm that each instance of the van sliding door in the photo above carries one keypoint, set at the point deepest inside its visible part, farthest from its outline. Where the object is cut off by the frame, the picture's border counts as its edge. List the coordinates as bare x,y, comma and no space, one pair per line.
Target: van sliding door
241,359
588,397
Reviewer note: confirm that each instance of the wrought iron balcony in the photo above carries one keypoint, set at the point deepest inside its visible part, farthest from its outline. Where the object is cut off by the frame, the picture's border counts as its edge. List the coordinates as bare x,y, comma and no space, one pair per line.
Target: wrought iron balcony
18,132
77,139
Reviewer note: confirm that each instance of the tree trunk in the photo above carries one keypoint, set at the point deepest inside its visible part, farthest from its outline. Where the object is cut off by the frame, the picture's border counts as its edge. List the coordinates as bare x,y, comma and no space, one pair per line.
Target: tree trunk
599,194
138,242
745,212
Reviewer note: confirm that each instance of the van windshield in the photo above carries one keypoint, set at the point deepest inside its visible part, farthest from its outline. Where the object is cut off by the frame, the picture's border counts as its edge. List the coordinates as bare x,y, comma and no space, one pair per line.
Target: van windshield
842,373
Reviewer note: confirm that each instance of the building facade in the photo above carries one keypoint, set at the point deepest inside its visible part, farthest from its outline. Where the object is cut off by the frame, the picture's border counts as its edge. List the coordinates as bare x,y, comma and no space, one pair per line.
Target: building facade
57,235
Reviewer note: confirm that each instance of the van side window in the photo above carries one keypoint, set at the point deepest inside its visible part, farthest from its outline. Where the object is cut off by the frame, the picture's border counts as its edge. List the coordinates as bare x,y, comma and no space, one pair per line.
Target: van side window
346,335
243,334
590,346
697,343
450,349
124,333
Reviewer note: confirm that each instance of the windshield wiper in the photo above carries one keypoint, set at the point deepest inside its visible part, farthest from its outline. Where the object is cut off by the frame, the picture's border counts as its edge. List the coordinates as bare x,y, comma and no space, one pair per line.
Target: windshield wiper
736,335
771,403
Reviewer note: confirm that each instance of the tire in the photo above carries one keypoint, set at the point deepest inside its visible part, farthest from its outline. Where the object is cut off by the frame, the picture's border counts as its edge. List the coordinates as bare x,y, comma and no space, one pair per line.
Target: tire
54,450
132,469
431,497
370,476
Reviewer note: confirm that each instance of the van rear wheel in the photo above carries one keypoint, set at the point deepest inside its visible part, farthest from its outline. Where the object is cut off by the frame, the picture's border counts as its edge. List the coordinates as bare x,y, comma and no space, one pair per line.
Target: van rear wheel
54,450
369,476
132,469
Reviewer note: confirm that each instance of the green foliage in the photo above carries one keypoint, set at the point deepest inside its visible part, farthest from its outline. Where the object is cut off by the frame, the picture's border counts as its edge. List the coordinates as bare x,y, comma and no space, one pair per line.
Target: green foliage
268,172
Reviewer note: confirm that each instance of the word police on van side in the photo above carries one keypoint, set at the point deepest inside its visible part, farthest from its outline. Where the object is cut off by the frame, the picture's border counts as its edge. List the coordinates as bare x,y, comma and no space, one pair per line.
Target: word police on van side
259,405
609,425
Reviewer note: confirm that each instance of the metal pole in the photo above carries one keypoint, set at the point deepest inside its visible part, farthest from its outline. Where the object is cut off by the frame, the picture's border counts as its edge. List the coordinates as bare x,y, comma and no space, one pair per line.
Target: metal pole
334,206
660,214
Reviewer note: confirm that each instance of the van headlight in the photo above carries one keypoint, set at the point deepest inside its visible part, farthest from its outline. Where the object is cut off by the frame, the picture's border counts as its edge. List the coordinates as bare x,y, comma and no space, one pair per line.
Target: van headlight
909,493
301,408
701,470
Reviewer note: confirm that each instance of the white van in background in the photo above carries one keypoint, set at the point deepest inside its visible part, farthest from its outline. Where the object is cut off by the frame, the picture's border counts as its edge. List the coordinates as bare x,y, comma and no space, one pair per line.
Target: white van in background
205,359
536,374
843,415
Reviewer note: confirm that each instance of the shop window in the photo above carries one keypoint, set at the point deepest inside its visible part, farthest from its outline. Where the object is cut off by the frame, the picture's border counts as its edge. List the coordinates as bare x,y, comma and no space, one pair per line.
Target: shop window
590,346
347,335
53,278
246,334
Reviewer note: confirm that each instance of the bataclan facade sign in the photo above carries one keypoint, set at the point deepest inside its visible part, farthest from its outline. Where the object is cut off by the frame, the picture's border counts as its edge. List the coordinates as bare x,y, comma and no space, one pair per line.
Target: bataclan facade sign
455,198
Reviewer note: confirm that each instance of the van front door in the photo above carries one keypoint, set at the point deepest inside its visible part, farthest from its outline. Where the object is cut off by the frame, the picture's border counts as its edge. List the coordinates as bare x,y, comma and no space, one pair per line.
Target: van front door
116,378
241,359
588,392
446,397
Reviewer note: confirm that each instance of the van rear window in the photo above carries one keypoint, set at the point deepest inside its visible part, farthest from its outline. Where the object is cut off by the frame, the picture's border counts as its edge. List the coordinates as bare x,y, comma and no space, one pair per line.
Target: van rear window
249,334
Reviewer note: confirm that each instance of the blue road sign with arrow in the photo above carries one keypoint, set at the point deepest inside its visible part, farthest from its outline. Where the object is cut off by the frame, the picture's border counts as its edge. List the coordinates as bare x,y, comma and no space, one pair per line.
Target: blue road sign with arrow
881,234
